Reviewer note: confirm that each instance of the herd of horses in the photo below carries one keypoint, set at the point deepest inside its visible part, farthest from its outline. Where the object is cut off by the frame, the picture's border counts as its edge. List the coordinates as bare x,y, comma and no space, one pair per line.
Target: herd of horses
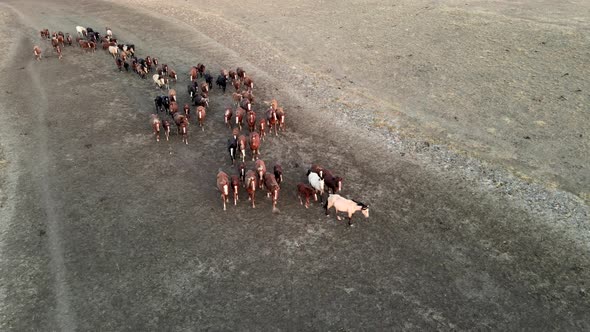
320,181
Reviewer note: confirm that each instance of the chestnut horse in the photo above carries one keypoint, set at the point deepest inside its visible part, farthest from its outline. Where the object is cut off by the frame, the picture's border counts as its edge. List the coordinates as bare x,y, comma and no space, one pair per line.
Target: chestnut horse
271,120
58,51
166,126
272,189
182,125
45,33
235,185
69,39
349,206
248,83
251,186
255,145
174,109
242,146
172,94
280,114
241,73
305,191
240,113
37,52
262,128
193,73
187,111
260,171
223,187
333,183
201,116
156,125
251,120
172,75
227,117
204,87
237,98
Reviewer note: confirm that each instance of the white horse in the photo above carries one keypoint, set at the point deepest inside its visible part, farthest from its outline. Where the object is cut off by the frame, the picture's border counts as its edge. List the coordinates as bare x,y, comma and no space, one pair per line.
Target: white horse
113,50
159,81
317,183
81,31
342,204
109,32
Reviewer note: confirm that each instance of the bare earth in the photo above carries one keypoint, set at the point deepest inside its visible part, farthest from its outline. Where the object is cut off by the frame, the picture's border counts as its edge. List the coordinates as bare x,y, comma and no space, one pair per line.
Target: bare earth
464,125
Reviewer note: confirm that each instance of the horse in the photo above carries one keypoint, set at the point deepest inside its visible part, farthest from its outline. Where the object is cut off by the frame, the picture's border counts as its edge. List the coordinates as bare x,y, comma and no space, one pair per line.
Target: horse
233,76
305,191
192,91
248,95
58,51
221,82
245,104
158,80
272,189
204,87
174,109
119,64
156,125
158,101
54,42
319,170
255,145
81,31
45,34
333,183
172,94
242,172
194,73
271,120
280,114
248,83
201,113
251,120
227,117
250,181
114,51
262,128
274,104
317,183
232,148
223,186
209,80
166,126
278,172
69,39
240,112
236,84
109,32
237,98
260,171
172,75
60,40
37,52
187,111
349,206
182,125
201,68
148,62
201,100
242,146
166,104
241,73
235,184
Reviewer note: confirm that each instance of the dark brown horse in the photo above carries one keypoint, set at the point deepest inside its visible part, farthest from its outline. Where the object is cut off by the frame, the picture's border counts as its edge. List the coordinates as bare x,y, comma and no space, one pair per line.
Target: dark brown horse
305,191
45,33
255,145
333,183
227,117
194,72
278,172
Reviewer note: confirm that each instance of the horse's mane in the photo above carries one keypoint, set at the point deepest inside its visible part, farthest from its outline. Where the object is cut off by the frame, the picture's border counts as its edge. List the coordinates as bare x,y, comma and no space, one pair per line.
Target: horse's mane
359,203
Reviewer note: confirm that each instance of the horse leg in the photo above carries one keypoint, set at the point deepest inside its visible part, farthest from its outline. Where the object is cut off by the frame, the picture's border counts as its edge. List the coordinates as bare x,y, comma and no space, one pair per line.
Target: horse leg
223,199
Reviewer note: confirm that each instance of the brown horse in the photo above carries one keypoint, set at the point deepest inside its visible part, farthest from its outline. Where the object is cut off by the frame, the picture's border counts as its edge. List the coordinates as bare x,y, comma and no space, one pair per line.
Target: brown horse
193,74
37,52
201,113
174,109
241,73
280,114
251,186
236,84
69,39
246,104
274,104
242,146
204,87
260,171
278,172
58,51
271,120
235,184
255,145
240,113
187,111
45,33
182,125
251,120
54,42
156,125
223,187
166,126
233,76
201,68
227,117
248,95
262,128
172,75
349,206
237,98
60,41
333,183
272,188
248,83
305,191
242,172
172,94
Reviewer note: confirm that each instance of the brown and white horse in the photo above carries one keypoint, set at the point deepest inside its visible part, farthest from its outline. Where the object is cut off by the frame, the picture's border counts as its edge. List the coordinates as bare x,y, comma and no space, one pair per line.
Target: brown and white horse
58,51
242,146
45,33
201,113
227,117
251,186
255,145
37,52
260,171
272,188
240,113
156,126
237,98
280,114
235,185
204,87
248,83
193,73
172,75
349,206
262,128
172,94
223,187
251,120
182,125
166,126
187,111
278,172
271,120
305,191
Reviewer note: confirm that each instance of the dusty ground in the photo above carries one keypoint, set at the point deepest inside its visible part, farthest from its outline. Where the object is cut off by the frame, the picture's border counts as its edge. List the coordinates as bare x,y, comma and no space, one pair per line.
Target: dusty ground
102,228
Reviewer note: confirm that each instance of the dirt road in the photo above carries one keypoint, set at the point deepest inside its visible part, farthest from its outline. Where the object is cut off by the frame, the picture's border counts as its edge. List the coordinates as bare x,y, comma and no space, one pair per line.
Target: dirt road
102,228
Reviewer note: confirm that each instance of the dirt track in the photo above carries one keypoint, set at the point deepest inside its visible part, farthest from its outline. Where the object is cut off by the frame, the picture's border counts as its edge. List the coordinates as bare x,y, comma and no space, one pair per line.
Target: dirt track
102,228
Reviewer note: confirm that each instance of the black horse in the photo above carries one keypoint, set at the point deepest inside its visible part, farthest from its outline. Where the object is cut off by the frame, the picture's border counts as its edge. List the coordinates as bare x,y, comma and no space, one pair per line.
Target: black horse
221,82
232,148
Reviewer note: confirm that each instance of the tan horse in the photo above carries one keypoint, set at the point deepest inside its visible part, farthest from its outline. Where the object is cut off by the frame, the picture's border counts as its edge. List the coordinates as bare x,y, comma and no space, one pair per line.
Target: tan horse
260,170
349,206
273,189
37,52
223,186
